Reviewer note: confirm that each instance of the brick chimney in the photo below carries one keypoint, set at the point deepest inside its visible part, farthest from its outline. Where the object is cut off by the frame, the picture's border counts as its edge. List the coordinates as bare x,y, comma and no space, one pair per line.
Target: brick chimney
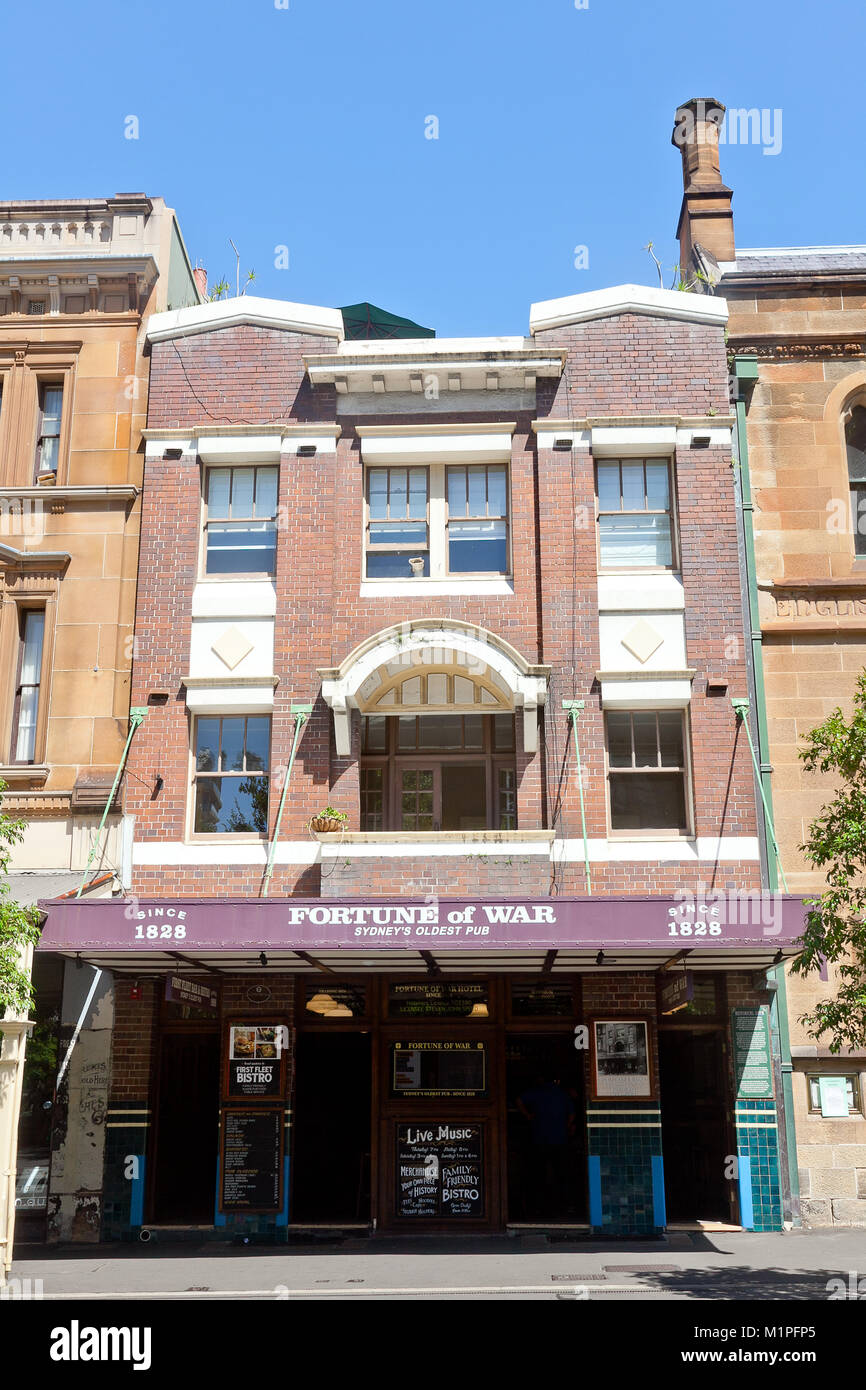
200,277
706,219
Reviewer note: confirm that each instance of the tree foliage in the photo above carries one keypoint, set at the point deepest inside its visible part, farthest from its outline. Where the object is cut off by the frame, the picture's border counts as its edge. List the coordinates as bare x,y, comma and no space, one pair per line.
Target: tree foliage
18,926
836,921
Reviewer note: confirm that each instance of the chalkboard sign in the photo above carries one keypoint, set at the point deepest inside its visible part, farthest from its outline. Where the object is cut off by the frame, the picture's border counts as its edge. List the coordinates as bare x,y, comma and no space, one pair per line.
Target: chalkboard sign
439,1068
251,1159
440,1170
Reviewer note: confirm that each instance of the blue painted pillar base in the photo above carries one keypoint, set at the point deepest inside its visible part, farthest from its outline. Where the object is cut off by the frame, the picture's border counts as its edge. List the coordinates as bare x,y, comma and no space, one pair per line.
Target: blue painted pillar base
625,1167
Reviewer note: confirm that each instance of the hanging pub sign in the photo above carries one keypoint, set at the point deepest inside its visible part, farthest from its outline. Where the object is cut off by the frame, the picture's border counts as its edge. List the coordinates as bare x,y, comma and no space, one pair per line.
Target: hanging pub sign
256,1061
676,991
621,1064
251,1159
181,990
440,1169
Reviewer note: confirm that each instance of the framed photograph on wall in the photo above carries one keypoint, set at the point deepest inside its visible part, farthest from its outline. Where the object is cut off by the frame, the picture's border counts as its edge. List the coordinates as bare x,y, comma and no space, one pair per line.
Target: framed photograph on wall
621,1059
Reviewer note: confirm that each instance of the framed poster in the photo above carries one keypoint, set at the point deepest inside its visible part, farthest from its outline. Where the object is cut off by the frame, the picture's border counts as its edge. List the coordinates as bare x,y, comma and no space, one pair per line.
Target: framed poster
620,1059
256,1059
437,1068
440,1170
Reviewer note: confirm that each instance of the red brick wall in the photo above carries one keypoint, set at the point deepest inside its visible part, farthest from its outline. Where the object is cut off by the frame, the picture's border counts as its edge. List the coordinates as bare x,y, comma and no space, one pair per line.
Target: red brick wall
624,366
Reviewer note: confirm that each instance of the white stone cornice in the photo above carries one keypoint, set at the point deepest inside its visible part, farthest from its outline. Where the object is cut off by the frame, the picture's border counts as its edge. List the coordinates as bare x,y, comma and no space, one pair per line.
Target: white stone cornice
627,299
246,309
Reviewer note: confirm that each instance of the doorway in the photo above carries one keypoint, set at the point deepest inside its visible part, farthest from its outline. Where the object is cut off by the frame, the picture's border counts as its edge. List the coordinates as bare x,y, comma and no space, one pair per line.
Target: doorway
545,1132
187,1134
694,1125
331,1127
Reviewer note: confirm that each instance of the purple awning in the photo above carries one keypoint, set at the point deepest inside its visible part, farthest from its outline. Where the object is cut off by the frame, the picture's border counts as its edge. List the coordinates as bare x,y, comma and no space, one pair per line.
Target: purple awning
712,922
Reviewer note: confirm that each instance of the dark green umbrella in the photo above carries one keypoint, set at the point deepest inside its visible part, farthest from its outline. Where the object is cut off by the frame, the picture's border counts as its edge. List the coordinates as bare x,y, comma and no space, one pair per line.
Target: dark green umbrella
369,321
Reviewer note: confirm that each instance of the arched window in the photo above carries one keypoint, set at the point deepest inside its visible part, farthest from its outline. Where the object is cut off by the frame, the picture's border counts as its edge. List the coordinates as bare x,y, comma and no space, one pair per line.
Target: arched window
855,446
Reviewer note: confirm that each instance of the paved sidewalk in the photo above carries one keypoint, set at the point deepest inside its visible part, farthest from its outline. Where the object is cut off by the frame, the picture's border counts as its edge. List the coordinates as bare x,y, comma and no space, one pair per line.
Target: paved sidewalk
693,1265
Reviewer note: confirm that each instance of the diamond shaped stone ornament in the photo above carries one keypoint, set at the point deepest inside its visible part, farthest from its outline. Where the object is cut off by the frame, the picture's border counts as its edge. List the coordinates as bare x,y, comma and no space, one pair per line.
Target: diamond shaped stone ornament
642,640
232,646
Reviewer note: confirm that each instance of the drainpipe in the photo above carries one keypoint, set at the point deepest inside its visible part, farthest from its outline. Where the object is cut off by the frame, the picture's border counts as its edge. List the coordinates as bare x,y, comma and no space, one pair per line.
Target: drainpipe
300,714
136,717
574,707
746,370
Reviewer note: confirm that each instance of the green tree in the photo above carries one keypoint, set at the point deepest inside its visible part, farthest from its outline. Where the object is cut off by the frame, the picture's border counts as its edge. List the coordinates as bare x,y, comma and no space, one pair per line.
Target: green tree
18,925
836,921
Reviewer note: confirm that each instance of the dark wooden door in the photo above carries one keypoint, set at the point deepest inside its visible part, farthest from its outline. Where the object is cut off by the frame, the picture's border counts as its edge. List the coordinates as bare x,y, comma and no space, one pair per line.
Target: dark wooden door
187,1129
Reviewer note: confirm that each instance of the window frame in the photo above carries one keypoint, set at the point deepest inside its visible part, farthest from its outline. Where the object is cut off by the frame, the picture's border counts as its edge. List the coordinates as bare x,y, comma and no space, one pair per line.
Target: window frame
671,512
23,612
651,833
234,575
437,528
856,487
393,762
46,382
464,468
236,836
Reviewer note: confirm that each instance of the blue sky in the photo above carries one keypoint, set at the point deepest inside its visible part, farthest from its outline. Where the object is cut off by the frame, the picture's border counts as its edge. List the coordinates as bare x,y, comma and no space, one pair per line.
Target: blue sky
305,127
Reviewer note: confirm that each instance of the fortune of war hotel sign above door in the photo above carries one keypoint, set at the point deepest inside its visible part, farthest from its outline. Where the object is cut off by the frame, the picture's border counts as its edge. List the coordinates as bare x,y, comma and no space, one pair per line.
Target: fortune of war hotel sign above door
684,921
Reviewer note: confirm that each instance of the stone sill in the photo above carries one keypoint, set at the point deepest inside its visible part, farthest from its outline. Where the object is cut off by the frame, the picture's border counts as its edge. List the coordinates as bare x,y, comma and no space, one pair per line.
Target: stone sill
396,837
25,772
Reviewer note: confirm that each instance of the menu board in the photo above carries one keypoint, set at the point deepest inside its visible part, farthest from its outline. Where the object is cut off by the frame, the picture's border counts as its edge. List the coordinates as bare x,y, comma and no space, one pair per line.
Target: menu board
439,1068
256,1066
440,1169
753,1063
551,1000
251,1159
439,999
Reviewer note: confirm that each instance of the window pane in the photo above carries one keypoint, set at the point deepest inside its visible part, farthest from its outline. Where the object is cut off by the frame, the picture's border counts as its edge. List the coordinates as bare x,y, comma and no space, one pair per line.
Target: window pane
456,491
52,407
497,492
645,741
647,801
635,540
440,731
477,547
473,733
855,440
246,547
25,743
207,744
418,492
858,519
243,481
231,805
48,454
394,564
608,487
619,739
503,733
657,486
398,533
633,487
266,492
477,491
375,733
31,664
232,744
378,485
258,743
671,737
218,492
406,735
399,494
464,797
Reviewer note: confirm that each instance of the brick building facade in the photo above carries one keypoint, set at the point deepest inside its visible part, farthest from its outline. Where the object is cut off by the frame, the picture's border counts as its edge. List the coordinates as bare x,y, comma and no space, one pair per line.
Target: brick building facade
482,598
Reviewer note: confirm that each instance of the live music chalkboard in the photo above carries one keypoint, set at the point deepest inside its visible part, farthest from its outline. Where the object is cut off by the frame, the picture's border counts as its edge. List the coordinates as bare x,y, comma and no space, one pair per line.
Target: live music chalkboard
440,1170
251,1159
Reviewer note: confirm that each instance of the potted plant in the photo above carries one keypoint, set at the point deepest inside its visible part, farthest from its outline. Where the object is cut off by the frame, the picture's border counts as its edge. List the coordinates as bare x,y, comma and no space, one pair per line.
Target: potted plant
328,821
